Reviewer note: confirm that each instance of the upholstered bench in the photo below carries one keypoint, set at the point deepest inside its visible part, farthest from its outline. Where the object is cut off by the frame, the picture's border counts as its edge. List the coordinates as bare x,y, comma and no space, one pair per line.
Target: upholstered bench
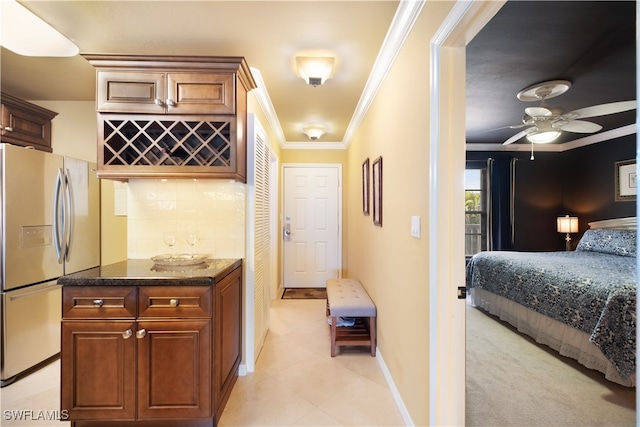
346,298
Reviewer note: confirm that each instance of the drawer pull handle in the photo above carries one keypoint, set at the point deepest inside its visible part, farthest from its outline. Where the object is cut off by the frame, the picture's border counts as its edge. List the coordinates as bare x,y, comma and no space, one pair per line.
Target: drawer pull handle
141,333
127,334
174,302
171,102
159,102
98,302
8,128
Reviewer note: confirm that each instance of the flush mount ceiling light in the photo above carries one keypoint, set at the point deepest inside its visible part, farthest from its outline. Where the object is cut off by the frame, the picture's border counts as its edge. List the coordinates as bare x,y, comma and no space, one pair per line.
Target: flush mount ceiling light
26,34
314,132
314,70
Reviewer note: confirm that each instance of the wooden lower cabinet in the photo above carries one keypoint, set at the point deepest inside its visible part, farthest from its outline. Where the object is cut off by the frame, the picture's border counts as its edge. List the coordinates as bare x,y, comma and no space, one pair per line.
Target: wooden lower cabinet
174,363
98,370
174,369
228,335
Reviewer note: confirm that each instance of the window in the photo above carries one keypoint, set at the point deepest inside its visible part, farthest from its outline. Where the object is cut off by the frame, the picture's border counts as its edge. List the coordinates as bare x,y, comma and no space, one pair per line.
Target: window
475,201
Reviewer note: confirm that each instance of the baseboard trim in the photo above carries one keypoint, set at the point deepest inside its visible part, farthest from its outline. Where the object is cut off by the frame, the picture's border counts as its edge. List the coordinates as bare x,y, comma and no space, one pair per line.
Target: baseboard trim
242,370
394,391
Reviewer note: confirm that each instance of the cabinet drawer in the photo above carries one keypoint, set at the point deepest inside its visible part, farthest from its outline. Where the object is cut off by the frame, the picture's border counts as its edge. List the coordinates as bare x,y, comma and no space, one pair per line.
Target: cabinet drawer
96,302
175,301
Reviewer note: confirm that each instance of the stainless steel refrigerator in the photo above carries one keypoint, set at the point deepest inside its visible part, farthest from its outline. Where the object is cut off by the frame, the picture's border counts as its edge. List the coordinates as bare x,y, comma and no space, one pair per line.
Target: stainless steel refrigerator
50,227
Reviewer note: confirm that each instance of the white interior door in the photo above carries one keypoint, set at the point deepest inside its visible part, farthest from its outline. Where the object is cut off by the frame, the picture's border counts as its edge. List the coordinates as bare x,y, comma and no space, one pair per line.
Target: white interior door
311,227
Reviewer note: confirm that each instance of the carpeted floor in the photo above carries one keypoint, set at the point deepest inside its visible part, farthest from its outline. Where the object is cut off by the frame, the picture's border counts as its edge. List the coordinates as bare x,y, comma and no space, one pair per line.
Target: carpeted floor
513,381
305,293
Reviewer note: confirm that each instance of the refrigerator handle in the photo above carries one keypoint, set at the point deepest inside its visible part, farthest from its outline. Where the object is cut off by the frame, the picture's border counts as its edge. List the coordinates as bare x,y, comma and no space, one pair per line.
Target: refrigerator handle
57,238
68,214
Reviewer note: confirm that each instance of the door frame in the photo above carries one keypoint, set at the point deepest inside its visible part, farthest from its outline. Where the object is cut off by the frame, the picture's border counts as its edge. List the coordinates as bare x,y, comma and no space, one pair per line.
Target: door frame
338,167
446,207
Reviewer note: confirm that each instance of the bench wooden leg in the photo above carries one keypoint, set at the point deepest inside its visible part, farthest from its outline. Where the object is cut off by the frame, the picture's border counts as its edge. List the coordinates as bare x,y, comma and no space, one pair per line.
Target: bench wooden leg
372,334
334,321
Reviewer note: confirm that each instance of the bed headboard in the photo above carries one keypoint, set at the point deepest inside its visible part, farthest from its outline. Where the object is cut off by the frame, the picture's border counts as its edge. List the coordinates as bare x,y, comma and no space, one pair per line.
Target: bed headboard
628,223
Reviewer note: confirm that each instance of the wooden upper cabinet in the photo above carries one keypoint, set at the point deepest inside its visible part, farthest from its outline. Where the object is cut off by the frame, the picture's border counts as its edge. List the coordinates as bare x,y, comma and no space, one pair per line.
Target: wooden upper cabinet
131,92
25,124
172,116
165,93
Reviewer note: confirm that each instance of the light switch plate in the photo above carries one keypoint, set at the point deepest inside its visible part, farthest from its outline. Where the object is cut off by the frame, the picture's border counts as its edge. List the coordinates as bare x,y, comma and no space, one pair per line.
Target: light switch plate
415,226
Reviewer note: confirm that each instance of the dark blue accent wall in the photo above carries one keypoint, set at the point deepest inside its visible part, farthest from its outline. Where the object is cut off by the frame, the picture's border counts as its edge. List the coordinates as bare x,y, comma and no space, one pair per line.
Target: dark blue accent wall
579,182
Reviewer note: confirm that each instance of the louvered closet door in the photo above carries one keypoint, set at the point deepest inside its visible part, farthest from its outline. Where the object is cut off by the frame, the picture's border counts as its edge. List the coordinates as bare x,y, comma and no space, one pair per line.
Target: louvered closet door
262,255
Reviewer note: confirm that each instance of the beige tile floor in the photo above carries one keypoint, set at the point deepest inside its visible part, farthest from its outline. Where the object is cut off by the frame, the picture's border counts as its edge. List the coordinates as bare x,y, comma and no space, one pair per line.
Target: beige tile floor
296,382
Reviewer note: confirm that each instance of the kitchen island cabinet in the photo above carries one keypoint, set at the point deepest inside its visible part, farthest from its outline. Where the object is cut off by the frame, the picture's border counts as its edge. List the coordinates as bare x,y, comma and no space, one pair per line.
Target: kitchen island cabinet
142,346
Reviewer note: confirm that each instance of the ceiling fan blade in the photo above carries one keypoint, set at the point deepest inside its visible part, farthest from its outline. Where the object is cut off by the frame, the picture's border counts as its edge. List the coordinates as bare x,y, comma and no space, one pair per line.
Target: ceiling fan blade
518,135
494,129
538,112
603,109
580,126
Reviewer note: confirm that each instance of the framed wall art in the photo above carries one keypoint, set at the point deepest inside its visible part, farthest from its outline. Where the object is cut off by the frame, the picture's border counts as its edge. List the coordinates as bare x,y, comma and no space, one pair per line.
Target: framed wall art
365,187
625,174
376,181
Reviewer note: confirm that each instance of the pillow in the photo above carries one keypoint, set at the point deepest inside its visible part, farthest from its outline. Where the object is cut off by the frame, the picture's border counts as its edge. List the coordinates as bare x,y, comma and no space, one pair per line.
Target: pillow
609,241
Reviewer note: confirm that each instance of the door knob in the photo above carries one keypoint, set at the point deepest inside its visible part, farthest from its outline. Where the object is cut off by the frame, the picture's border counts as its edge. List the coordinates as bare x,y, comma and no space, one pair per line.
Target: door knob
127,334
141,333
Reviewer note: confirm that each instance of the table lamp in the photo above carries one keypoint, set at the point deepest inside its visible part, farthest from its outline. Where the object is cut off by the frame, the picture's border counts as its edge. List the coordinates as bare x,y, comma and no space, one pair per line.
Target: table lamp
568,224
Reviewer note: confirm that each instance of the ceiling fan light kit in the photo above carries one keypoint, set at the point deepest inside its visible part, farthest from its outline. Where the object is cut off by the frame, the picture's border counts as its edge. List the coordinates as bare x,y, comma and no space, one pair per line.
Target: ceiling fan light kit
543,137
546,124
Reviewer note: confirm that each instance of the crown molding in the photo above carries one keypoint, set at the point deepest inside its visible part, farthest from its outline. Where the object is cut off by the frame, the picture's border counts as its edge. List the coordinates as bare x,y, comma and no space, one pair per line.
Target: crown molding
313,145
401,25
264,100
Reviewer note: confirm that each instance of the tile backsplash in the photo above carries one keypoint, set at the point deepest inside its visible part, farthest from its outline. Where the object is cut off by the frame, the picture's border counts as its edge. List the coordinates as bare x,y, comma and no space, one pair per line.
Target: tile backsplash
215,209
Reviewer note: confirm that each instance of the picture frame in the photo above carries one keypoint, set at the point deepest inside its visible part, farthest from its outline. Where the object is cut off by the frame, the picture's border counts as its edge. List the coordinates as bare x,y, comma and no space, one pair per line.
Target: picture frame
365,187
376,181
625,178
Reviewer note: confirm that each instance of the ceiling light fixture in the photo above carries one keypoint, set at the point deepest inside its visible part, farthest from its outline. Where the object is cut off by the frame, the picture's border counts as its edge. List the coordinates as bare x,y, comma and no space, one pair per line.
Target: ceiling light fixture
543,133
314,132
315,70
26,34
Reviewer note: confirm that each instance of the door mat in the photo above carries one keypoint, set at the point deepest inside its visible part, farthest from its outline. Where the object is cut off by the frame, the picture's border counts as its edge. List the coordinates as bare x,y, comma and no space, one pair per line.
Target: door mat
305,293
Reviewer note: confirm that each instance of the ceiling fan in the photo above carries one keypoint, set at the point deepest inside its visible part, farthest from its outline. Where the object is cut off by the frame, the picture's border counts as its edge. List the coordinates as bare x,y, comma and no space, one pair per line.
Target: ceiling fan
545,124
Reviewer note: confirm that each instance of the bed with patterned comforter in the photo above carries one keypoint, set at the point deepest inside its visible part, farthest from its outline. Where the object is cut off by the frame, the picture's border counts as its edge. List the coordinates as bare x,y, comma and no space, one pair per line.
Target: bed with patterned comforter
591,289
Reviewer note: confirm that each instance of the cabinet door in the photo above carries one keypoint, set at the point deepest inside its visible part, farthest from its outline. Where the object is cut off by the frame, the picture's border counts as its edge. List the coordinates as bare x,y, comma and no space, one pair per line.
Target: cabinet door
200,93
98,370
22,127
174,369
131,92
228,336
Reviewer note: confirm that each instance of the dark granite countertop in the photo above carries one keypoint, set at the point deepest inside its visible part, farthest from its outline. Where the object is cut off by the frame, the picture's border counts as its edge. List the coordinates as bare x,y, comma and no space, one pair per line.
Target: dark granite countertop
144,272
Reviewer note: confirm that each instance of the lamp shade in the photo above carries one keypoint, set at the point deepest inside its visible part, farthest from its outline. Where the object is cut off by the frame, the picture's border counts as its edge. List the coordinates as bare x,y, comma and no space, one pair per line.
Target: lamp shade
26,34
314,70
567,224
